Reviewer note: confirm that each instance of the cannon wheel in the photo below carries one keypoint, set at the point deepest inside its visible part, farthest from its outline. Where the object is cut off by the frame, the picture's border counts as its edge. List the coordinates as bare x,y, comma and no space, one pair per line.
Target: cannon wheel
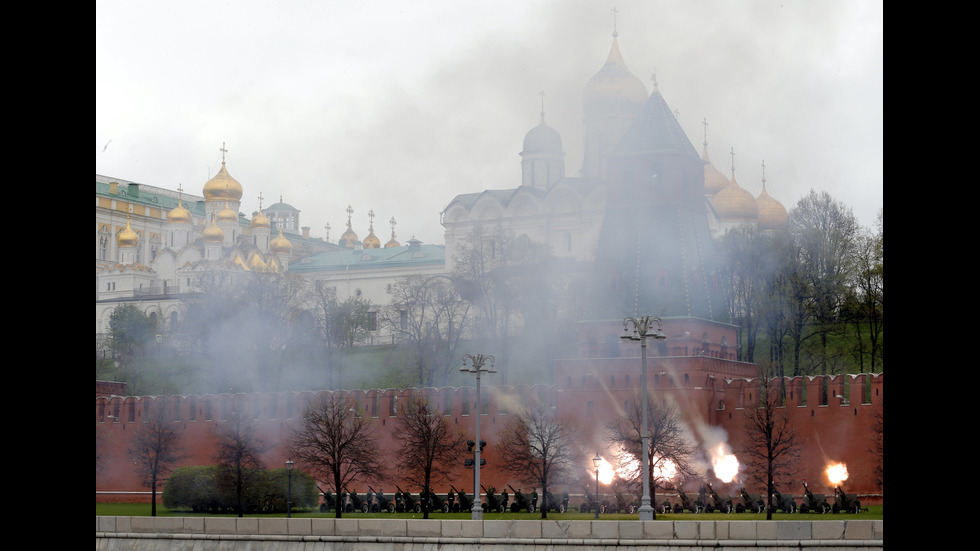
364,507
740,508
728,508
348,508
631,509
445,507
530,508
562,508
391,507
804,509
759,508
418,507
857,507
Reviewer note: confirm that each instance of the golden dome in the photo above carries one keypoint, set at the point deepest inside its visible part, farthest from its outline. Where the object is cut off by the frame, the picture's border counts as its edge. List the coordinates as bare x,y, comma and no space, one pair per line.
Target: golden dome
127,237
371,241
260,221
734,203
348,239
213,234
227,214
772,213
223,186
179,215
280,245
614,82
714,180
392,242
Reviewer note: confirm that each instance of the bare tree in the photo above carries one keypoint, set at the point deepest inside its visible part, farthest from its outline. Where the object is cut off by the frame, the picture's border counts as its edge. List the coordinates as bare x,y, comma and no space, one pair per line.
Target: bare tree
671,447
427,446
340,325
238,453
500,273
155,449
428,316
539,448
772,448
337,444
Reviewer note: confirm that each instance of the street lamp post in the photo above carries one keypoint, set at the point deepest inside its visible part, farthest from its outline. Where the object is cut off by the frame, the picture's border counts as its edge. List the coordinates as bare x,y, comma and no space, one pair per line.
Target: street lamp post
289,486
642,328
477,362
595,463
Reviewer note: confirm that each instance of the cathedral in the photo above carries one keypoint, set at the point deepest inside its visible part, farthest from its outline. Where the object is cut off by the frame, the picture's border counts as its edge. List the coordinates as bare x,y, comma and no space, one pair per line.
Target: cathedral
640,216
643,211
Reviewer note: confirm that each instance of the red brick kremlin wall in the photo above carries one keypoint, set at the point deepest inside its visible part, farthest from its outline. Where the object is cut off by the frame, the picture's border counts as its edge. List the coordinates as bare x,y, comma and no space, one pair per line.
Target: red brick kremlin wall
710,389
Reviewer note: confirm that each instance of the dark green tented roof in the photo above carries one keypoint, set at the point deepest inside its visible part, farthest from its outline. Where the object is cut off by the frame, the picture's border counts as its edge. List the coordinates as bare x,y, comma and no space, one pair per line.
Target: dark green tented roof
656,130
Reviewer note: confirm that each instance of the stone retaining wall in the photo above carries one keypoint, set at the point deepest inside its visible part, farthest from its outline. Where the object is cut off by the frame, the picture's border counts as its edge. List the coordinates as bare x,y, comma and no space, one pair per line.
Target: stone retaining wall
314,534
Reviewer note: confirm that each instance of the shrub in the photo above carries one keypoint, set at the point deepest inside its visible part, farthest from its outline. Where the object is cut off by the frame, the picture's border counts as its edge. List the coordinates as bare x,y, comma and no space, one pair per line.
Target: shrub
206,489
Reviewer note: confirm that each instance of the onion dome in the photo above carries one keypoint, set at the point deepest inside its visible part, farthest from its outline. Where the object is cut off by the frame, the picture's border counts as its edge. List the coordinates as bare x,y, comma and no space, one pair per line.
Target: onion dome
614,82
223,186
772,213
371,241
179,215
280,245
213,234
735,203
542,138
714,180
349,238
227,214
260,221
127,237
392,242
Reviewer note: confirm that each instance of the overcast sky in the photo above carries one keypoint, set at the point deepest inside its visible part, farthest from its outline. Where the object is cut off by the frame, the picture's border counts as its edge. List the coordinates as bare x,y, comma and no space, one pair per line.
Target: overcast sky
399,106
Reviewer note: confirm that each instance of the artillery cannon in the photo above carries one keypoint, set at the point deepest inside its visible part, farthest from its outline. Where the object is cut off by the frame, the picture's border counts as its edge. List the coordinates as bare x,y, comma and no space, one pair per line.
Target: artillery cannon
686,503
463,503
717,502
328,500
625,503
750,502
815,503
844,502
434,502
495,503
354,503
550,503
405,502
381,502
784,503
590,503
521,502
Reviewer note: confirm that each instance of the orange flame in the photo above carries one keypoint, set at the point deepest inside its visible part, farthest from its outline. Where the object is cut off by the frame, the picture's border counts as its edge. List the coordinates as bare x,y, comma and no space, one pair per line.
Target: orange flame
836,473
606,472
724,463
